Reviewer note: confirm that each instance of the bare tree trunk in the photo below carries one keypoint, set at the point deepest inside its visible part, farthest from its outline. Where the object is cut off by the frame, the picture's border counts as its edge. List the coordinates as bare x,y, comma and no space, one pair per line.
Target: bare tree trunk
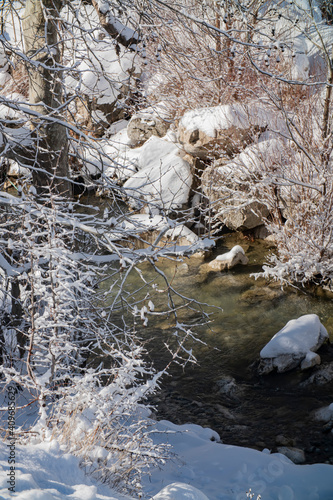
327,102
326,128
45,95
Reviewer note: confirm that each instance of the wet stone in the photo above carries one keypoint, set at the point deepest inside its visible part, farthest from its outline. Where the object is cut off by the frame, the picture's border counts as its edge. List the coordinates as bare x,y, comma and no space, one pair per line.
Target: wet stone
296,455
284,441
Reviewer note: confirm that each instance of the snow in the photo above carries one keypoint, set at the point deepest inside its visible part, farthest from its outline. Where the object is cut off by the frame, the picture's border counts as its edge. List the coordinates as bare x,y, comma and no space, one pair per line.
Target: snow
174,237
201,469
164,178
179,491
102,73
231,254
43,472
16,170
299,337
210,120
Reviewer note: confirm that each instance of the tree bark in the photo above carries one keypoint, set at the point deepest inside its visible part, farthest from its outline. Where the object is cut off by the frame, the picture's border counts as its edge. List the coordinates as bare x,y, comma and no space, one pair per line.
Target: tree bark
45,95
327,102
123,34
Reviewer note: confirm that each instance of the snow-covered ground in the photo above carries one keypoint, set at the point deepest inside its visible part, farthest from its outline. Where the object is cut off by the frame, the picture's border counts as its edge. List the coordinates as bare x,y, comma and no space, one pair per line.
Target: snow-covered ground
201,469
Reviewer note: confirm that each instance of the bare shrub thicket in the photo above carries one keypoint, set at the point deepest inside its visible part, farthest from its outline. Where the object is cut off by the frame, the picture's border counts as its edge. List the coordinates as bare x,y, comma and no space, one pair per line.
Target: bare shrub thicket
210,53
69,337
221,52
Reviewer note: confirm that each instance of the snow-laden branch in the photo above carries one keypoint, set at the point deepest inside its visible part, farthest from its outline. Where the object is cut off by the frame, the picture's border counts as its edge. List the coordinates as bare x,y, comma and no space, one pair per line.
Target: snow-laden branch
123,34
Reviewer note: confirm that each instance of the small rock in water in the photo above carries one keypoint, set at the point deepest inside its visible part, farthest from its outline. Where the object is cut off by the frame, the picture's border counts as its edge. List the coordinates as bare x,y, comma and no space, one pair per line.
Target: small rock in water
324,414
322,376
310,360
225,412
260,294
230,259
228,387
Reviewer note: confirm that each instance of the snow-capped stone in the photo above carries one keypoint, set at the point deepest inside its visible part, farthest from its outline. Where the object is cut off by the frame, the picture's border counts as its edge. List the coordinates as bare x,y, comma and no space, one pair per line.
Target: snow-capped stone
183,235
229,259
180,491
227,128
164,178
290,346
230,185
16,170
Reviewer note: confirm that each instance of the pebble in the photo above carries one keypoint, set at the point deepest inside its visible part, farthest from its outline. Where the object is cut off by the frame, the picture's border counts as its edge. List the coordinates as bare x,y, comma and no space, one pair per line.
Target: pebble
284,441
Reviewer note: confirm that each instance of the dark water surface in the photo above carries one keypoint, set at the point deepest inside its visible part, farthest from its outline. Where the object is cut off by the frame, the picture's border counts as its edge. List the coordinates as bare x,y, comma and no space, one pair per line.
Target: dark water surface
222,390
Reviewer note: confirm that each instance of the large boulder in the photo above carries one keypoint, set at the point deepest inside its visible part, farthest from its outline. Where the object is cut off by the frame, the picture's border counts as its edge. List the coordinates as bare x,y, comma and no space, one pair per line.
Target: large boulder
295,345
230,200
222,130
246,217
164,178
231,186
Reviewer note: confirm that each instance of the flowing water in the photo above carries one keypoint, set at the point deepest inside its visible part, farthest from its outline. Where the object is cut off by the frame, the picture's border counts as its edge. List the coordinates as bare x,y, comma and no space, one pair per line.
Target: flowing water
223,390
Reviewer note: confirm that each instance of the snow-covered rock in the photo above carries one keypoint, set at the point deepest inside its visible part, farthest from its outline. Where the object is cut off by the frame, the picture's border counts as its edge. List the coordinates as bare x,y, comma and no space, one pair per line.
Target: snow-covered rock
291,345
114,158
229,259
8,113
183,235
103,71
16,170
151,231
231,186
180,491
206,132
164,179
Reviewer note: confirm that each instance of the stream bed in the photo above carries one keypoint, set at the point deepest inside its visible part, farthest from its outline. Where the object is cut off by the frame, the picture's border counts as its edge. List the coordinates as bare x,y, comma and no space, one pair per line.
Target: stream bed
222,390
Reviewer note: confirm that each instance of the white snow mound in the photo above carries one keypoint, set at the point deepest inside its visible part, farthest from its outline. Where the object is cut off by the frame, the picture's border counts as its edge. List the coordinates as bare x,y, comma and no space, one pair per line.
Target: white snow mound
299,336
180,491
164,178
294,345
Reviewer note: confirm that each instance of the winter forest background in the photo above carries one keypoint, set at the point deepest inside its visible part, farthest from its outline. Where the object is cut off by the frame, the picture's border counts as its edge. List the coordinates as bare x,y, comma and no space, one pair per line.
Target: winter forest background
135,130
